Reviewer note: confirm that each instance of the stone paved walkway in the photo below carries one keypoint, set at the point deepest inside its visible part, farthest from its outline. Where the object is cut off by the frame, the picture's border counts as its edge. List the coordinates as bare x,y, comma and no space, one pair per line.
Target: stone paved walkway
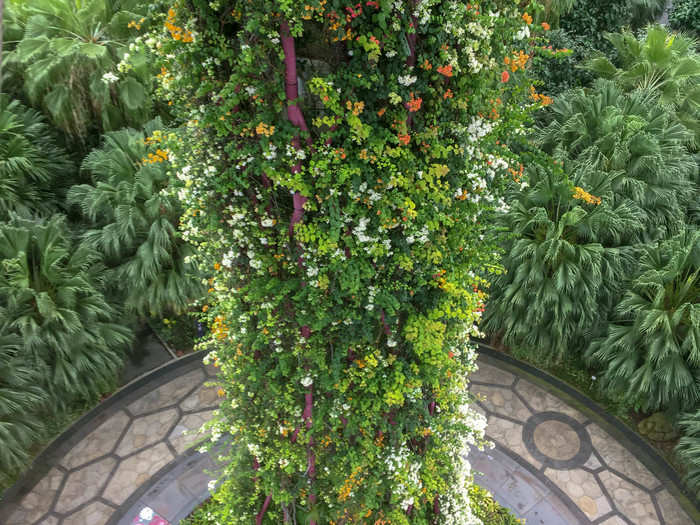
578,463
552,463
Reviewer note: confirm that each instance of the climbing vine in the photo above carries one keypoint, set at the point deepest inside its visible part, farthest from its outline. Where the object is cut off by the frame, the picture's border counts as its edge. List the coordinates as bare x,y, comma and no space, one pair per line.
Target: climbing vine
339,164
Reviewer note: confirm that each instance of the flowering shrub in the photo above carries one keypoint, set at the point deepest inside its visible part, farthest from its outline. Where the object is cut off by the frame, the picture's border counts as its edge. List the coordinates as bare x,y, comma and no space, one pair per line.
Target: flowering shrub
339,164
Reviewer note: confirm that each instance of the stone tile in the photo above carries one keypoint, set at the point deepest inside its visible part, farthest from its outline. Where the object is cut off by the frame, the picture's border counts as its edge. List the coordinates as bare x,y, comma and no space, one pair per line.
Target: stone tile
631,501
203,397
94,514
38,502
49,520
671,510
98,443
510,435
491,374
211,370
134,471
186,432
614,521
501,401
619,458
542,401
557,440
84,484
146,430
583,490
592,462
168,394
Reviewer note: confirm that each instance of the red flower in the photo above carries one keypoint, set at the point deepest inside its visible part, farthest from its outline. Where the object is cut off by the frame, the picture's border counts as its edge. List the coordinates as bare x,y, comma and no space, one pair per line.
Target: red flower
505,76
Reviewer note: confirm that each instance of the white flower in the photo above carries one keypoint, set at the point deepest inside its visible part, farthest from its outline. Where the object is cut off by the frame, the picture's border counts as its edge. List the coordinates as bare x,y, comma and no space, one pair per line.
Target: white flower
306,382
407,80
211,485
267,223
146,513
391,343
109,78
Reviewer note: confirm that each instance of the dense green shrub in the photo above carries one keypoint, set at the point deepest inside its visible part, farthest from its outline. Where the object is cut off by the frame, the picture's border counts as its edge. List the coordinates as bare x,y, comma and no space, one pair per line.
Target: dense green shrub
688,449
75,63
50,297
685,16
23,403
663,63
344,250
564,263
651,354
33,168
134,221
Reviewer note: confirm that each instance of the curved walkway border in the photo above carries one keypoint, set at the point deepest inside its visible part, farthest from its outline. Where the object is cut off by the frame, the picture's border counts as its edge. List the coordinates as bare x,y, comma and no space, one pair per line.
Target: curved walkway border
559,459
87,473
602,470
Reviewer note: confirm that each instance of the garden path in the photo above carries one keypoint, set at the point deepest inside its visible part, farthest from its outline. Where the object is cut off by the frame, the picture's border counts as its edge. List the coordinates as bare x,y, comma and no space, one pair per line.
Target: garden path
555,463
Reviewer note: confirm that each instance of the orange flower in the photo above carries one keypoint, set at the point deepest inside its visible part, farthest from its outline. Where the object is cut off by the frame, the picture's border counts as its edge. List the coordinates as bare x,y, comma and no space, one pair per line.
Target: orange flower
448,94
414,104
404,138
205,308
381,112
545,26
217,266
527,18
445,70
505,76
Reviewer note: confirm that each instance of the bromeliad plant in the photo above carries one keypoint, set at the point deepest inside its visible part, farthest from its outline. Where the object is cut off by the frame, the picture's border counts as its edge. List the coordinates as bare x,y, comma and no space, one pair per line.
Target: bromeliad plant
339,163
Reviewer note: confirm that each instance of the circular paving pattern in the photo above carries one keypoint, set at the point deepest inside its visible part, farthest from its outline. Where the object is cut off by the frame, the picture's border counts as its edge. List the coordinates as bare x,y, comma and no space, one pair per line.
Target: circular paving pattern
557,440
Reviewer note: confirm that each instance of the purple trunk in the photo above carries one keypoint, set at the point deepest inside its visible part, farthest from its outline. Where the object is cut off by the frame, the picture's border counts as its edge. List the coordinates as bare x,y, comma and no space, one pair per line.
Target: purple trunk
259,517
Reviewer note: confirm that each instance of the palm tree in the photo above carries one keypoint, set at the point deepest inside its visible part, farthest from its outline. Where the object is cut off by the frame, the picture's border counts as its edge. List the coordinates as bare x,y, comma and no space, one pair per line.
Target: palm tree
665,63
651,353
50,298
688,449
637,143
32,165
23,404
136,222
69,59
564,263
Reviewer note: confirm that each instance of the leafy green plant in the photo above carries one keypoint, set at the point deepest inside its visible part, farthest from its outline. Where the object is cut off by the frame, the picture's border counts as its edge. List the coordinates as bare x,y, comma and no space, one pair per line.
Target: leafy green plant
663,63
688,449
75,63
685,16
50,298
134,222
32,166
23,404
651,353
640,146
488,510
344,251
564,262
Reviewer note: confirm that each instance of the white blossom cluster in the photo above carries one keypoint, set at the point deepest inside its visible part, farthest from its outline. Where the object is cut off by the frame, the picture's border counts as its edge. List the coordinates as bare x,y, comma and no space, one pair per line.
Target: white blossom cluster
404,467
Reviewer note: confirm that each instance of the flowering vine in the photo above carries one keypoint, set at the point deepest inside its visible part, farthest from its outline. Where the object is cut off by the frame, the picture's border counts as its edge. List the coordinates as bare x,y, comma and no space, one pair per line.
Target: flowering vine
339,163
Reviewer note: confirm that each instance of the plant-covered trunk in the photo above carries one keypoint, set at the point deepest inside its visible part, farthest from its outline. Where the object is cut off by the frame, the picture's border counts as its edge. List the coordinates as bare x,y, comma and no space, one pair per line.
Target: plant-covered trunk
344,226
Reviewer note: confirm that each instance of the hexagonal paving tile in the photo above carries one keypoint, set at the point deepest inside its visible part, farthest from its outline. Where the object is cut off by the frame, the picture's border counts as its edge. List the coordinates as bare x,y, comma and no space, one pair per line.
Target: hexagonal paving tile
146,430
96,513
185,433
671,510
38,502
135,470
631,501
501,401
168,394
97,443
84,484
491,374
583,490
203,397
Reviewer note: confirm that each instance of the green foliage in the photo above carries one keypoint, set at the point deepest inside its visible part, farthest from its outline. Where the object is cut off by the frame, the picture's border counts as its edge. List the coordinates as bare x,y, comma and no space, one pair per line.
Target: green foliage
488,510
688,449
32,166
134,221
651,354
22,403
344,258
564,263
75,63
50,298
685,16
639,146
663,63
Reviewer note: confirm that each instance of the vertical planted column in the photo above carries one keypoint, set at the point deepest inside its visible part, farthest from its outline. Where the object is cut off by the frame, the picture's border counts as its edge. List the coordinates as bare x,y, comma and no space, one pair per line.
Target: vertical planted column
346,235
